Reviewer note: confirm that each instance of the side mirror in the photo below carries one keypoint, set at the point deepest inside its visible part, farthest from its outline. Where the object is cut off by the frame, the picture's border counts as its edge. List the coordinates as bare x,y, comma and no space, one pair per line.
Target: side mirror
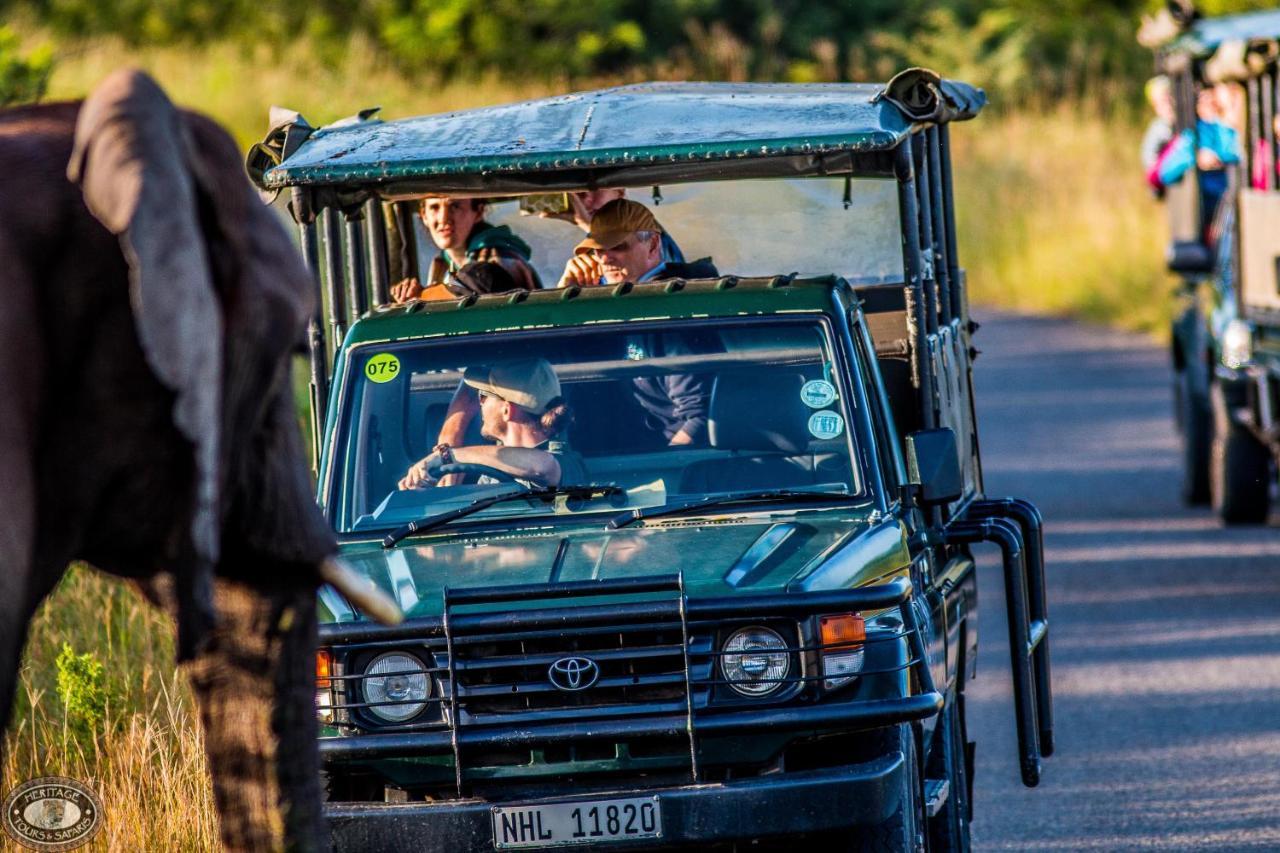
933,464
1189,257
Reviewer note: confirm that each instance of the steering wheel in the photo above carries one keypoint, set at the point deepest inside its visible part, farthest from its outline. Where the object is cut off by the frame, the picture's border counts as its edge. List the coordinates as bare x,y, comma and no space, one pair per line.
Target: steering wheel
436,471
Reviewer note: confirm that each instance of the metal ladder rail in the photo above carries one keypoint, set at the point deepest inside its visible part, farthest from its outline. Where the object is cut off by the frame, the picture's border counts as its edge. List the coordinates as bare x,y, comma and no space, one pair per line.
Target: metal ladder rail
1023,635
1028,518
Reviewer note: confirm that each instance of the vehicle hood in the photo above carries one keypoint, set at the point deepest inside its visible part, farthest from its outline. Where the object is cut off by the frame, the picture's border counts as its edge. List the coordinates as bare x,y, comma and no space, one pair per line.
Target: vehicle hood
723,556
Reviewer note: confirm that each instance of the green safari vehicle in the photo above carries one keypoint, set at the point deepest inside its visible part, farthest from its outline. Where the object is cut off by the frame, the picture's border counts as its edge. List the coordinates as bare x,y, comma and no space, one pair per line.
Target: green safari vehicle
1226,338
754,638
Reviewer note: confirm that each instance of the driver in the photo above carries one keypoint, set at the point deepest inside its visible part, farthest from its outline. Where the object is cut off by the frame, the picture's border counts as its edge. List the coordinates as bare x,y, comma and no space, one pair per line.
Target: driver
521,409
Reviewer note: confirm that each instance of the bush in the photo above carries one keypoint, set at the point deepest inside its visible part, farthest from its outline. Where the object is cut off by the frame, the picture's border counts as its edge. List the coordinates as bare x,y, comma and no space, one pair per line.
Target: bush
81,687
22,78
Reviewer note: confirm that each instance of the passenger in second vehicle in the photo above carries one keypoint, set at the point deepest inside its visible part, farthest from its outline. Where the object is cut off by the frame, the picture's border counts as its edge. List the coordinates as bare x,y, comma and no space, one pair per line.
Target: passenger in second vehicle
624,243
459,230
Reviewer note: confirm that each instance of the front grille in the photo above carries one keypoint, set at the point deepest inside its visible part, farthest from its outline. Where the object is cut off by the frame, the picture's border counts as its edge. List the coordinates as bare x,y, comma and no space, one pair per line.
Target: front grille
656,685
641,670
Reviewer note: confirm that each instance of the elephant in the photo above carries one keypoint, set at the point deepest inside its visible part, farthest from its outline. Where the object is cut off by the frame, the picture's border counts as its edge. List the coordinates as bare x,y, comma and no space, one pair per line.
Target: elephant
149,310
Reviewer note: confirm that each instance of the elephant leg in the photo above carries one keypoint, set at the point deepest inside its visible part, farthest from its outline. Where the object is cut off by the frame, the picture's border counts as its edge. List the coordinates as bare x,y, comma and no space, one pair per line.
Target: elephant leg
20,375
256,688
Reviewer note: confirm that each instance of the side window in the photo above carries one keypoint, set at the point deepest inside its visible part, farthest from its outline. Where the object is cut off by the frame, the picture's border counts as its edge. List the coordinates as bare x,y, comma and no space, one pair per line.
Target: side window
891,465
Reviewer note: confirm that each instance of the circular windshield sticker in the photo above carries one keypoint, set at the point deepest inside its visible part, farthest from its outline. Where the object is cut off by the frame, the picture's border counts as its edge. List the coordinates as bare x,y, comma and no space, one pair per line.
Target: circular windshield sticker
818,393
826,424
383,367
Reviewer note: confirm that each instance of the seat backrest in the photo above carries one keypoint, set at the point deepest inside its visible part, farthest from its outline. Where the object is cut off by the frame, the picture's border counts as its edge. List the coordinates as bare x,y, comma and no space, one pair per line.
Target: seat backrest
753,410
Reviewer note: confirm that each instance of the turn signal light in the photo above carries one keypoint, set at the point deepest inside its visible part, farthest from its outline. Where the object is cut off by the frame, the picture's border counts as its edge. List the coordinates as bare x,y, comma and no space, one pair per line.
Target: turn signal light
842,630
843,636
324,669
324,696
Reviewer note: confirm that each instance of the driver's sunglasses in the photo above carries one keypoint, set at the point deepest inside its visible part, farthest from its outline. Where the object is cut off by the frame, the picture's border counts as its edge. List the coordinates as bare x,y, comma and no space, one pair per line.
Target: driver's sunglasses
484,395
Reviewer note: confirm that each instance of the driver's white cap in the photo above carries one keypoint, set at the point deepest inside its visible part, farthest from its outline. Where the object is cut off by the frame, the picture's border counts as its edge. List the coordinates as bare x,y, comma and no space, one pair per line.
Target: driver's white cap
529,383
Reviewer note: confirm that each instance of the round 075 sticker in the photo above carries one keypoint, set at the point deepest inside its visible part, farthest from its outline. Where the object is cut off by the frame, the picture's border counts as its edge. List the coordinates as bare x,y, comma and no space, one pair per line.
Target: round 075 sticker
818,393
826,424
382,367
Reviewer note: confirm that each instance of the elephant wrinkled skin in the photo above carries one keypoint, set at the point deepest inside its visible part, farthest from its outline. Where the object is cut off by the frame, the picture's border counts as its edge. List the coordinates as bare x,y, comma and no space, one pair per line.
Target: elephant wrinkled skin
149,308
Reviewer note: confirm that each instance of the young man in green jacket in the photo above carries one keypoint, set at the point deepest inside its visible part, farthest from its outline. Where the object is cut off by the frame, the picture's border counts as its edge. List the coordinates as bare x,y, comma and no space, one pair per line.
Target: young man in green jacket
458,229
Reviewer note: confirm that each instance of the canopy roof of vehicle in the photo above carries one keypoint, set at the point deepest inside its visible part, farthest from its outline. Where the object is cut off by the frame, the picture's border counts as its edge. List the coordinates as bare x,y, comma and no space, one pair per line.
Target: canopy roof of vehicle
1207,34
629,135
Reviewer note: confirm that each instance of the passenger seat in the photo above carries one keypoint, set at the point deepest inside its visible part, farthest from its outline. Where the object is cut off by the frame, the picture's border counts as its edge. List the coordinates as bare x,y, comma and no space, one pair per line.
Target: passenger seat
762,420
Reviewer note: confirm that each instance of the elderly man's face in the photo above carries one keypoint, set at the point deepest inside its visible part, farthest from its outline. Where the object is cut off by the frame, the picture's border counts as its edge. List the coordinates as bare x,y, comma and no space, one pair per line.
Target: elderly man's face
630,259
450,220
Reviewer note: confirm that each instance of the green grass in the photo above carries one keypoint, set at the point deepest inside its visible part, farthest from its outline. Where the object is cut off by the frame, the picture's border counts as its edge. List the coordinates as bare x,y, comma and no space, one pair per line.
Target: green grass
1053,217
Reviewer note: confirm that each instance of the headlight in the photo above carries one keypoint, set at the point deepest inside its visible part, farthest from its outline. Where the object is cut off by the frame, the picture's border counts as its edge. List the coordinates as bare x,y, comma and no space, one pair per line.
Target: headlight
396,677
755,661
1237,344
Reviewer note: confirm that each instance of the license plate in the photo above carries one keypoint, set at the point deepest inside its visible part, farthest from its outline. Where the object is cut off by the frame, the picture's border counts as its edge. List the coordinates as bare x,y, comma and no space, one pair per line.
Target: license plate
585,822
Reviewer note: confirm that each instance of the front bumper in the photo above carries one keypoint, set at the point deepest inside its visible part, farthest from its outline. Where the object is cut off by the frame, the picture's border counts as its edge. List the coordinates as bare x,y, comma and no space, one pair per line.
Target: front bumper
692,815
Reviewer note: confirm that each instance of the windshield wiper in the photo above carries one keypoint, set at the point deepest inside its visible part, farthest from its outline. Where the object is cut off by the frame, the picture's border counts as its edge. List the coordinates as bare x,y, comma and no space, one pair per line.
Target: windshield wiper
792,495
440,519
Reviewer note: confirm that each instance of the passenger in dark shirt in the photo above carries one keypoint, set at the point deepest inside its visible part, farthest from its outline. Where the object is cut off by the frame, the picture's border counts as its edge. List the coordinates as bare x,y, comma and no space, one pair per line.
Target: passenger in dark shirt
625,244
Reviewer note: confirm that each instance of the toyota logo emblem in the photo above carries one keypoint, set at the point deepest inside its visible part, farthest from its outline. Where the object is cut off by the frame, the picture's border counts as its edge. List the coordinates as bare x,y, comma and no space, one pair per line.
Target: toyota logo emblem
573,673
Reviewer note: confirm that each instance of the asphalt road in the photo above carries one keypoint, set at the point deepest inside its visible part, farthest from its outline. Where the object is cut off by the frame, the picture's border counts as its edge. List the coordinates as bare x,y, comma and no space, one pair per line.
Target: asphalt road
1165,628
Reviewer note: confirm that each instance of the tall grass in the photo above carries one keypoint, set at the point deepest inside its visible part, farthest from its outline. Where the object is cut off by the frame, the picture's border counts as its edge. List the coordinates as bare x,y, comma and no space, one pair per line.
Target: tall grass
1053,217
236,84
143,753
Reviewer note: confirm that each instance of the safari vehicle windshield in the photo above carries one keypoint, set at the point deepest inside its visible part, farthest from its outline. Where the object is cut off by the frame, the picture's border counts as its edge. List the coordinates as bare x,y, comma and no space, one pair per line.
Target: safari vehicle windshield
667,413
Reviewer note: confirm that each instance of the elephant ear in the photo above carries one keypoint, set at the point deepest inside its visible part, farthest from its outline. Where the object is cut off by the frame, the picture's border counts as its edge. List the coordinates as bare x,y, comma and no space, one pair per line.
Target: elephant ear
131,159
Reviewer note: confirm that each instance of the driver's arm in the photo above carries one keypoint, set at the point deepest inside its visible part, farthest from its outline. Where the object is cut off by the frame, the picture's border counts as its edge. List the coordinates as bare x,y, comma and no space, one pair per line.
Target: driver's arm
463,409
523,462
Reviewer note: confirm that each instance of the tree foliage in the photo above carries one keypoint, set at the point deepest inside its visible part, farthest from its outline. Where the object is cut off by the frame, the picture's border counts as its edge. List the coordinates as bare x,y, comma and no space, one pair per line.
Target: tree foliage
23,77
1016,48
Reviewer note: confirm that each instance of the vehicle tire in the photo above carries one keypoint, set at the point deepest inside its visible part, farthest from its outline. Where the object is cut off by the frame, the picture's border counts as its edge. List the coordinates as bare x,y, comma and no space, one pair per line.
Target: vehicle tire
949,828
1239,468
904,831
1195,429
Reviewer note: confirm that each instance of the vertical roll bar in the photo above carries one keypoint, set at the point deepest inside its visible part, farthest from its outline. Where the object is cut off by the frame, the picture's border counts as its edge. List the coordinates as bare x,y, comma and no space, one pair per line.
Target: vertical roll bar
376,237
1266,115
1273,139
319,384
958,296
357,293
332,241
912,268
1253,111
924,202
941,267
